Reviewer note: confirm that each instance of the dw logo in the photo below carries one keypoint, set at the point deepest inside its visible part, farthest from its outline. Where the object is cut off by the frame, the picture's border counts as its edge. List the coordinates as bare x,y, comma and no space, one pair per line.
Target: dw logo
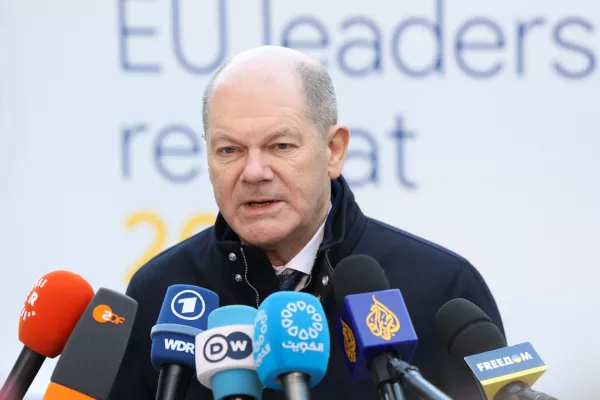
188,305
237,346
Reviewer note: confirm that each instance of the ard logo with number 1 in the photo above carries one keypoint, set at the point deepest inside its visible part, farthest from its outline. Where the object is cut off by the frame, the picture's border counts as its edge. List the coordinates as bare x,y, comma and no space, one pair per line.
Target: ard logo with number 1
188,305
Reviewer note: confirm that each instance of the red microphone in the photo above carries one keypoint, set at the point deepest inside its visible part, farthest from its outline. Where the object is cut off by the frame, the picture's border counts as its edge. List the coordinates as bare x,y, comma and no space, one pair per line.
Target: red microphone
49,315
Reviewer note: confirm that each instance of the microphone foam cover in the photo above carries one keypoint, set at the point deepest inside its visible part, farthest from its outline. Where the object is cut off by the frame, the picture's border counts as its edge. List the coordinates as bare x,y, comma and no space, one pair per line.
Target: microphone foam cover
224,361
291,334
465,329
51,311
356,274
183,315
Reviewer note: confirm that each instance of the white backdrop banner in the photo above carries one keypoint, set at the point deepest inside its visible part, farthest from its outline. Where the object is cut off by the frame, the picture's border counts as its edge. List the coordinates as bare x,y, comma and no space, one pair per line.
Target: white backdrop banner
473,124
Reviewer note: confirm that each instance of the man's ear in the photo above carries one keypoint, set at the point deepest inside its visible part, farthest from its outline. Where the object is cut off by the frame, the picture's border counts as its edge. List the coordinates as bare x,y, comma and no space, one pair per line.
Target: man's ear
337,142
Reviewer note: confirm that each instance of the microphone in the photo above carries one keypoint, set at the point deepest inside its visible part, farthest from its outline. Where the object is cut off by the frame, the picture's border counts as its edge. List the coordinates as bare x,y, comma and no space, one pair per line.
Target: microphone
224,361
474,342
183,315
51,310
291,343
376,329
90,361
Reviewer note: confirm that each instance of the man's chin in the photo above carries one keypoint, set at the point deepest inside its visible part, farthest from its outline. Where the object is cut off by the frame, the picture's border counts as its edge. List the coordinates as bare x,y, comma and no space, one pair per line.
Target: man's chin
266,237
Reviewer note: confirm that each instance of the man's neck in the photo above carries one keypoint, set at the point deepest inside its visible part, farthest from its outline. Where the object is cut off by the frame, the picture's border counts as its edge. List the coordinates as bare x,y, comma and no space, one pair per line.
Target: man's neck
285,252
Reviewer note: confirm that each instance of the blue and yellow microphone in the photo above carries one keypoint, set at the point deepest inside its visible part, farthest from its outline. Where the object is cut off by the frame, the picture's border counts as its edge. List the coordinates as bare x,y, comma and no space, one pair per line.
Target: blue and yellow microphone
376,330
503,372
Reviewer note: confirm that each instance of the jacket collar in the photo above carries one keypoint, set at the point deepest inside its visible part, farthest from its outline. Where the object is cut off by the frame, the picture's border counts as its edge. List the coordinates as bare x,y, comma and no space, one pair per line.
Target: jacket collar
248,264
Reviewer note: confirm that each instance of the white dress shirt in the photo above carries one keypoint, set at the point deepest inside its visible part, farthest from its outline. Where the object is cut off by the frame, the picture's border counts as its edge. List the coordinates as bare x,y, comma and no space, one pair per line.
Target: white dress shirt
305,259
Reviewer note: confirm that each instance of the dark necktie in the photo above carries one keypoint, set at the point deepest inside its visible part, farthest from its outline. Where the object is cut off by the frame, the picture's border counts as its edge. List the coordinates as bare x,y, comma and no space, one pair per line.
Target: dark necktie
290,281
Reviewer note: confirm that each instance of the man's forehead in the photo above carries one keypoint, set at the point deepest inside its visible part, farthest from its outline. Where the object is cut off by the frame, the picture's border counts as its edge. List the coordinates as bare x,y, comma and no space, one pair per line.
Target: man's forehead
251,81
263,62
255,102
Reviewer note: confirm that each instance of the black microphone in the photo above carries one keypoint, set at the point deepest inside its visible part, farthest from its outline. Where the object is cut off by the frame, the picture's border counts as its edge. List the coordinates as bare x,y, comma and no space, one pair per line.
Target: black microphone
475,343
92,356
377,331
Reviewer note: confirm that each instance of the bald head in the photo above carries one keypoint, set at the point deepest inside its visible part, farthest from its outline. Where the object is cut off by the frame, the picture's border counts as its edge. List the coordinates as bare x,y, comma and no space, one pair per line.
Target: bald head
286,69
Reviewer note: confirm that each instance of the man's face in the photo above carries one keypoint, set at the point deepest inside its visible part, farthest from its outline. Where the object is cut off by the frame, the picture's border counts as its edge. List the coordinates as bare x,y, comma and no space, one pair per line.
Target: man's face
267,162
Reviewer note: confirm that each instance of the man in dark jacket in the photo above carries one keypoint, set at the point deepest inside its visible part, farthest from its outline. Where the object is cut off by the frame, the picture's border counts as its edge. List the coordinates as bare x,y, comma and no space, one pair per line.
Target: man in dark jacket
287,216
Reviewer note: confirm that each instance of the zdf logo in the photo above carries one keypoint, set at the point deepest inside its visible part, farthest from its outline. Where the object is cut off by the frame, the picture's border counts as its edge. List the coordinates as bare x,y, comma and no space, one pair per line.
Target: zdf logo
104,314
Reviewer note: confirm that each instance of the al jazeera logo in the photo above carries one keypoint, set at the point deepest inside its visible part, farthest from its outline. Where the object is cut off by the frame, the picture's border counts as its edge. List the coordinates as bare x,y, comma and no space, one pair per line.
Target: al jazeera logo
382,322
349,342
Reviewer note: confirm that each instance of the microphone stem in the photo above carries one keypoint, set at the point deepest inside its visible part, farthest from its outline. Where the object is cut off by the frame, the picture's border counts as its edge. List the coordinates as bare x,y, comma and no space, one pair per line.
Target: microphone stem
26,368
173,382
295,386
521,391
388,391
410,377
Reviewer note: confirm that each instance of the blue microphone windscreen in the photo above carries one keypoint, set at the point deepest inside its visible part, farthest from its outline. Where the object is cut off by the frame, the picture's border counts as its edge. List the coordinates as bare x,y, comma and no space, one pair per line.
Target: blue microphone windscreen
224,360
372,323
183,315
290,335
232,315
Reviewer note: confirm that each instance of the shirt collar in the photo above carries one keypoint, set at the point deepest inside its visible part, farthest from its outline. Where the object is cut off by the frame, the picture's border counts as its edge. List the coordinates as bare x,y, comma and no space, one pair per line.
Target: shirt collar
304,260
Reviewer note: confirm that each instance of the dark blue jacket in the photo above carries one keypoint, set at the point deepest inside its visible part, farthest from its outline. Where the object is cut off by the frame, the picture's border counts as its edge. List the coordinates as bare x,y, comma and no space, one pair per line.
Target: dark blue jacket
427,275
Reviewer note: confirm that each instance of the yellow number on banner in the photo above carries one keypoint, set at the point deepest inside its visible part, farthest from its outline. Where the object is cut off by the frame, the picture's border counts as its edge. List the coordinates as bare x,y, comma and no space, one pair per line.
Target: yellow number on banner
190,227
194,223
157,245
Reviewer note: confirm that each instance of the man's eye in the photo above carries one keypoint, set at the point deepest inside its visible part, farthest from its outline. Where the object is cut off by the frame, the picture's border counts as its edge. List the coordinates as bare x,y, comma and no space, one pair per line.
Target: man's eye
282,146
228,150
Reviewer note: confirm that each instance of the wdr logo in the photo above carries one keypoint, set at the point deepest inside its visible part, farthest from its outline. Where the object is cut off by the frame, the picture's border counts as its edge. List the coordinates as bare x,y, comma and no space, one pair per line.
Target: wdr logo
188,305
237,346
179,345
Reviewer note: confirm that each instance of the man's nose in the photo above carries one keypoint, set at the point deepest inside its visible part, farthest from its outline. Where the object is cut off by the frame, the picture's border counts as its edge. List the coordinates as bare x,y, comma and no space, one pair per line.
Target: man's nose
257,168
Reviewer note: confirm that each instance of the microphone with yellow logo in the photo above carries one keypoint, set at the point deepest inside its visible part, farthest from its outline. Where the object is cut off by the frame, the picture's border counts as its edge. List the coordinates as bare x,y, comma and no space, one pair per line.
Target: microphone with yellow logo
378,335
504,372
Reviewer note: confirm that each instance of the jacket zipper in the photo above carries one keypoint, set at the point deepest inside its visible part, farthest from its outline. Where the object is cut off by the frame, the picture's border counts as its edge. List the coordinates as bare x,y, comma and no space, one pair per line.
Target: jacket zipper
246,277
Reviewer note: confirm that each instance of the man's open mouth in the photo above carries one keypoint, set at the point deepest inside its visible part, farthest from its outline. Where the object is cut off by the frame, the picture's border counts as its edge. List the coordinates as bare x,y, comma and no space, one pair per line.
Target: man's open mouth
260,203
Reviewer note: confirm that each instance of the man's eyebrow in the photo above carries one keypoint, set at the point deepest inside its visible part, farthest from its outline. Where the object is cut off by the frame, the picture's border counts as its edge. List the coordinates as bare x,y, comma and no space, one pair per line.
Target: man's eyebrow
282,133
224,137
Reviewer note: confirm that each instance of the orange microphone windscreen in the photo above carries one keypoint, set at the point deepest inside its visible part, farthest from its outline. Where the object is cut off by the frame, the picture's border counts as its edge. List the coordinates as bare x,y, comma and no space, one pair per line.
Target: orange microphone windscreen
52,310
